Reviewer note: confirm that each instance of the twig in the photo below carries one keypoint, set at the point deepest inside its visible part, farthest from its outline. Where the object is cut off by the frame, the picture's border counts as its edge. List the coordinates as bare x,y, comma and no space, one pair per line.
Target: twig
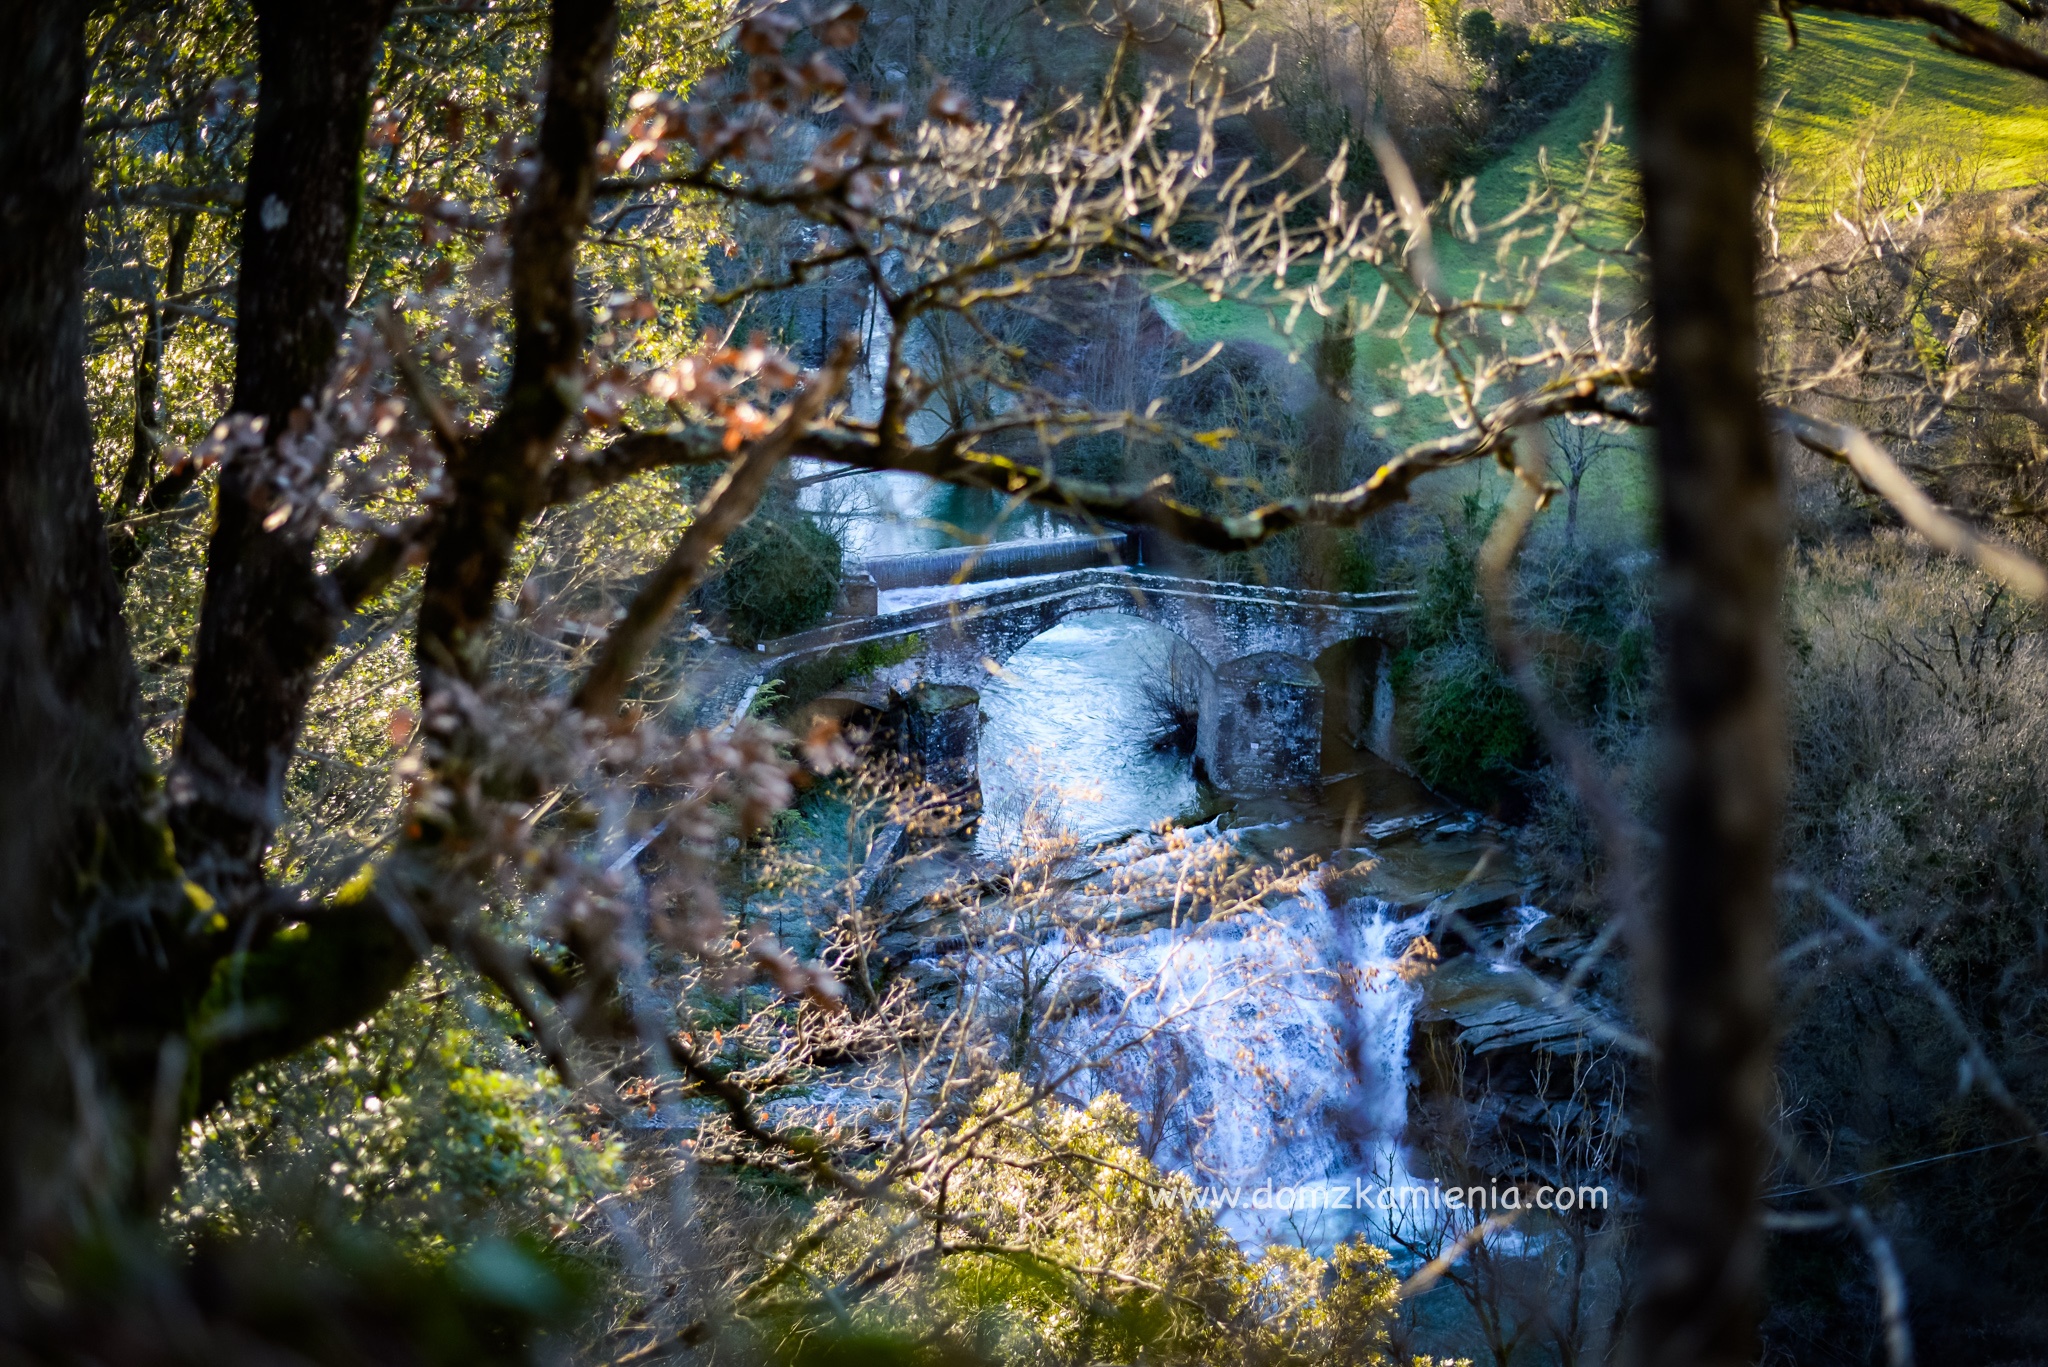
1891,1287
1151,504
1884,1263
500,967
1611,822
730,502
1431,1272
446,430
1977,1063
370,570
1853,447
1959,33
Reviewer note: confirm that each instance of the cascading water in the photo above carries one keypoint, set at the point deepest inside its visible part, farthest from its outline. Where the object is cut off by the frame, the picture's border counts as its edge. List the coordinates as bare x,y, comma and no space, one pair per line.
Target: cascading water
1510,957
1068,738
1266,1056
878,512
1263,1052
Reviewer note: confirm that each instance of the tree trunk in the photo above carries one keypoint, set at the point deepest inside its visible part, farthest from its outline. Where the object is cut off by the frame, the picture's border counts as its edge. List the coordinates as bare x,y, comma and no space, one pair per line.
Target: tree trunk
1708,952
71,767
146,438
267,619
1320,463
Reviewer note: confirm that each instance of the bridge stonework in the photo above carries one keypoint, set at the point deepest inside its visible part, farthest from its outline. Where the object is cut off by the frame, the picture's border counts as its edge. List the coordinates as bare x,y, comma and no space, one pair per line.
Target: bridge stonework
1263,702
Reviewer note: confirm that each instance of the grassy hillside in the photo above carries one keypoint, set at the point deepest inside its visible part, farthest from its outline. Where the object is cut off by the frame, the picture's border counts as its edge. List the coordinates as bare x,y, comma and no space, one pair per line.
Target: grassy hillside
1928,113
1853,92
1497,191
1931,117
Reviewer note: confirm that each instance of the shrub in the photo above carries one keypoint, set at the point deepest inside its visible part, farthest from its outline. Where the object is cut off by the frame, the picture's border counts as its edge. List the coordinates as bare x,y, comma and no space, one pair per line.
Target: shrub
421,1122
1469,732
779,574
1477,30
1919,794
1084,1251
1465,727
809,678
1920,738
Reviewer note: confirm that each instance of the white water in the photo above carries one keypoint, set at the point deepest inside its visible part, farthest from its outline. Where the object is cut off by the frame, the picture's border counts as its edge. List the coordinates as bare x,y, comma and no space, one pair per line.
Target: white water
1261,1053
883,512
1267,1049
1510,958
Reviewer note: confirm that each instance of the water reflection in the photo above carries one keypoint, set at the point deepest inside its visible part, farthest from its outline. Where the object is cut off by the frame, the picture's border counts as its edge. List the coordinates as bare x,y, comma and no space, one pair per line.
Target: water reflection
887,513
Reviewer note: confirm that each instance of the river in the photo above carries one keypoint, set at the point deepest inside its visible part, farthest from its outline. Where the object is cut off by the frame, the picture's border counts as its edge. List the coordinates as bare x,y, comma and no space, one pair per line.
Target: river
1267,1053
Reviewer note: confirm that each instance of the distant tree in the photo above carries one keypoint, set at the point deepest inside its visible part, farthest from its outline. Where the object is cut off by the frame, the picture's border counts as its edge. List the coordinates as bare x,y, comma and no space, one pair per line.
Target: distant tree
1580,446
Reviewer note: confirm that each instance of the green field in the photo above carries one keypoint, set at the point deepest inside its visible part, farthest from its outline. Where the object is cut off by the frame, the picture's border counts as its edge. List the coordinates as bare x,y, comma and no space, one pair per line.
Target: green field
1927,112
1853,93
1929,118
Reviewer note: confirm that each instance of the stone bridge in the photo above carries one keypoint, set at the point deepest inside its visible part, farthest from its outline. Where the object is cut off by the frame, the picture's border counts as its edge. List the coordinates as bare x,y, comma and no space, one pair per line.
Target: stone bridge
1280,666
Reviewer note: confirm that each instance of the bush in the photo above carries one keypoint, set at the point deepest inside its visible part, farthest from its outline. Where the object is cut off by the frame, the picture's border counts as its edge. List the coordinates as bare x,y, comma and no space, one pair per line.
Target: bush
424,1122
1918,700
1478,30
1919,705
1465,727
1086,1252
1469,732
780,574
1540,70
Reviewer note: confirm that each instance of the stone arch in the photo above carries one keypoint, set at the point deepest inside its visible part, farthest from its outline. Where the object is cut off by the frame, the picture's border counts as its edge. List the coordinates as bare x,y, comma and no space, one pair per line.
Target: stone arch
1358,699
1111,603
1079,711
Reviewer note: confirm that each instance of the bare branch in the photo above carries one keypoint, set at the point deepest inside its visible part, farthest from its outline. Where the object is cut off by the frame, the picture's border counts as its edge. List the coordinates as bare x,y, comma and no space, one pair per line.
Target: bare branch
1852,447
1619,838
1978,1065
1426,1276
730,502
1959,33
446,430
954,462
370,570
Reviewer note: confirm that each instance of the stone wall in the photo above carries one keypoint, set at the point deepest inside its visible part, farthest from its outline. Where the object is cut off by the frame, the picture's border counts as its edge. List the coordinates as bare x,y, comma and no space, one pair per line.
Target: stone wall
1261,727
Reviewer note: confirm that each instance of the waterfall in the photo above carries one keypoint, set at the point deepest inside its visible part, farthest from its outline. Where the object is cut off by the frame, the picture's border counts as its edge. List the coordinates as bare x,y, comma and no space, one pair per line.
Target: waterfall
1262,1053
1265,1050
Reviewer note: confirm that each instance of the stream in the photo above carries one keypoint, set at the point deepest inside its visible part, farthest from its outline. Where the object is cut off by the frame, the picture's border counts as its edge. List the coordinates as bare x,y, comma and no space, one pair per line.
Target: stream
1266,1055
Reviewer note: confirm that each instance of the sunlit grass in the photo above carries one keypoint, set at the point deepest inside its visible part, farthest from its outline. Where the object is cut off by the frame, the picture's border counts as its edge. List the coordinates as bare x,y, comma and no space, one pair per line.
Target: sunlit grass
1959,124
1852,93
1841,87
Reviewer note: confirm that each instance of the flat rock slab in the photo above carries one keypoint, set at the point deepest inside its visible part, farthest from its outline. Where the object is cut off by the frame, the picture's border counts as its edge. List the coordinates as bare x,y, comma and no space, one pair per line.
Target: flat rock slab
1491,1011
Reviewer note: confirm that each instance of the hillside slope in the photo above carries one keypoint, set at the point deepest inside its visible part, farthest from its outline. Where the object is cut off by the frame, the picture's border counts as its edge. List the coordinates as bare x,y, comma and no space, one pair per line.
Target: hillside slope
1932,120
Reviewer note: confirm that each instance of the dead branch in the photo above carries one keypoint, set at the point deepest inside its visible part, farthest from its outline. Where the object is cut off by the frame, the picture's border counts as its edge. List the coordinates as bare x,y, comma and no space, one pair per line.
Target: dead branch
1852,447
1956,31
